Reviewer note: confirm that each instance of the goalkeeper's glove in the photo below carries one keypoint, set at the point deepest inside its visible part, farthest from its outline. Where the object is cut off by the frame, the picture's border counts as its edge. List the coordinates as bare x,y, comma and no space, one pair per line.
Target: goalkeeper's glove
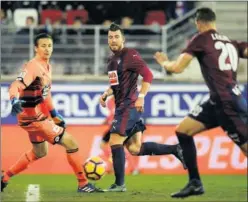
16,106
57,118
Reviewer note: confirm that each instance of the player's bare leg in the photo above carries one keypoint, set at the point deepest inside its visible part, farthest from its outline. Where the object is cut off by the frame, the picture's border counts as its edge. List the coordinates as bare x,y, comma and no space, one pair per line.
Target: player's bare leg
244,149
41,150
38,151
137,148
185,132
118,155
73,157
132,162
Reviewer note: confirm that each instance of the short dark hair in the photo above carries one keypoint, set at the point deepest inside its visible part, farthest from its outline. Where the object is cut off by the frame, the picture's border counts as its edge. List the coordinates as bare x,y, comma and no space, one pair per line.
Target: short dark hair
41,36
114,27
205,15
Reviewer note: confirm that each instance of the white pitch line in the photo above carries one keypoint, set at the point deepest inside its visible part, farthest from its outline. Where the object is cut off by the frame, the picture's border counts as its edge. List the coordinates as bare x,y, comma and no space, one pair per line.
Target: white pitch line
33,193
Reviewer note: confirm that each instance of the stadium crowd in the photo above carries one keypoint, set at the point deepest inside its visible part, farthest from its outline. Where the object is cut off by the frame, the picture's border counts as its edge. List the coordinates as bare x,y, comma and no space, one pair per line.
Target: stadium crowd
126,13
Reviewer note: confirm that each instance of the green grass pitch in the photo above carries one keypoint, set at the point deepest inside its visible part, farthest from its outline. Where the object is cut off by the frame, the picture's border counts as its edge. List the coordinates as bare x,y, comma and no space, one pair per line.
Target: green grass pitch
150,188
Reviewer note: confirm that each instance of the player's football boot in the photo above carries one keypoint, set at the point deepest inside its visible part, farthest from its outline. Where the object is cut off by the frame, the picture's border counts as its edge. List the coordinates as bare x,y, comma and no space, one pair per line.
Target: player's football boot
116,188
89,188
179,155
194,187
3,184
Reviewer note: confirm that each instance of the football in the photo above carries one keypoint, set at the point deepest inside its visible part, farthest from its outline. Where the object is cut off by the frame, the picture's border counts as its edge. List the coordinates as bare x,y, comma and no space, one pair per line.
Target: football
94,168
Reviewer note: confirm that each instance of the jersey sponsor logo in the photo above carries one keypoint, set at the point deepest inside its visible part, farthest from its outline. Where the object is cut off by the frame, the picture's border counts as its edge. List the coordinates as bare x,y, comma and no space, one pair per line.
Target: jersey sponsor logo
113,78
79,103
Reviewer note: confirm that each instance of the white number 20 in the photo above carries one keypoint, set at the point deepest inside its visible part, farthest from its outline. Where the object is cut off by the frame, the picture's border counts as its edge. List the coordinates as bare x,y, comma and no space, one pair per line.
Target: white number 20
227,50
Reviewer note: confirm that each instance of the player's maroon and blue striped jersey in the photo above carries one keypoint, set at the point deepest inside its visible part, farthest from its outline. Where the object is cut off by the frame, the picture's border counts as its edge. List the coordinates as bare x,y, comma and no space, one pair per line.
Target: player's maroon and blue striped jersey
219,58
123,71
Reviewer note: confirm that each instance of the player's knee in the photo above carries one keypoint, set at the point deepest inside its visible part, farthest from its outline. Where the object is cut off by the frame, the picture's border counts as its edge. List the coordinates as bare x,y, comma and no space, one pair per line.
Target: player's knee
40,150
182,130
134,149
41,154
69,142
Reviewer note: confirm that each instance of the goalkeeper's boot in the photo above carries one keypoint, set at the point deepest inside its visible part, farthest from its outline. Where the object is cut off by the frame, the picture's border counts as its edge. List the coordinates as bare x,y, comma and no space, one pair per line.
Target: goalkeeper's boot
3,184
117,188
89,188
179,155
194,187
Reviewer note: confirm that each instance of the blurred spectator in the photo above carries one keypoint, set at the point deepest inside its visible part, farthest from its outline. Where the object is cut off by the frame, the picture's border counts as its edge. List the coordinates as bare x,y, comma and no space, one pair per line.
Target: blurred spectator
26,29
126,23
29,21
132,9
170,10
4,20
22,36
75,32
6,5
188,6
106,23
96,7
75,27
57,31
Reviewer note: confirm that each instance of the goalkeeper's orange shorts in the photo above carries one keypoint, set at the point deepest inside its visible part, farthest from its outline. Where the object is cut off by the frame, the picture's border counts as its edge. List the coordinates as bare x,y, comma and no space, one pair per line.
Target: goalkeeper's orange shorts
45,130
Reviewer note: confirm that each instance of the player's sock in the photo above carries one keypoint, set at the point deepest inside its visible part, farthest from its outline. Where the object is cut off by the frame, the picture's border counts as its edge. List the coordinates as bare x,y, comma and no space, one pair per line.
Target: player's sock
189,154
20,165
118,156
153,148
74,160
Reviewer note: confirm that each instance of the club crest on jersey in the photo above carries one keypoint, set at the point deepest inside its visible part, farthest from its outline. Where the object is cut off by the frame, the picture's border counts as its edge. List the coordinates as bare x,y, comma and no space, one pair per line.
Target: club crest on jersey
113,78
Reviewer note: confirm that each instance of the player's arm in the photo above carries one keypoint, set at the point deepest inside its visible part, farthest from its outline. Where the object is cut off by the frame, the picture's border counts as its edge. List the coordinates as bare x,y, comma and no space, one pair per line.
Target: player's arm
176,66
146,82
108,92
57,118
243,49
104,96
24,79
246,53
138,65
195,47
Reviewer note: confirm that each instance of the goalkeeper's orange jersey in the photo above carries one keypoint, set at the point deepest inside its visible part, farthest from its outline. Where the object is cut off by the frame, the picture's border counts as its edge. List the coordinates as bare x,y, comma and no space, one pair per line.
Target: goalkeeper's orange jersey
33,86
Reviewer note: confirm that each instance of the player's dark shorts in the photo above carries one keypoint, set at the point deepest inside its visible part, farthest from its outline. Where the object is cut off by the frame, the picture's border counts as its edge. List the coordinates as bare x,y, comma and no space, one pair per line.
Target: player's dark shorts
127,121
232,116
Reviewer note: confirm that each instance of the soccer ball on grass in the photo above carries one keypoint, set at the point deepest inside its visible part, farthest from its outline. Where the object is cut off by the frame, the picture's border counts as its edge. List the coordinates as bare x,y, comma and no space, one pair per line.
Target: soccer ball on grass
94,168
